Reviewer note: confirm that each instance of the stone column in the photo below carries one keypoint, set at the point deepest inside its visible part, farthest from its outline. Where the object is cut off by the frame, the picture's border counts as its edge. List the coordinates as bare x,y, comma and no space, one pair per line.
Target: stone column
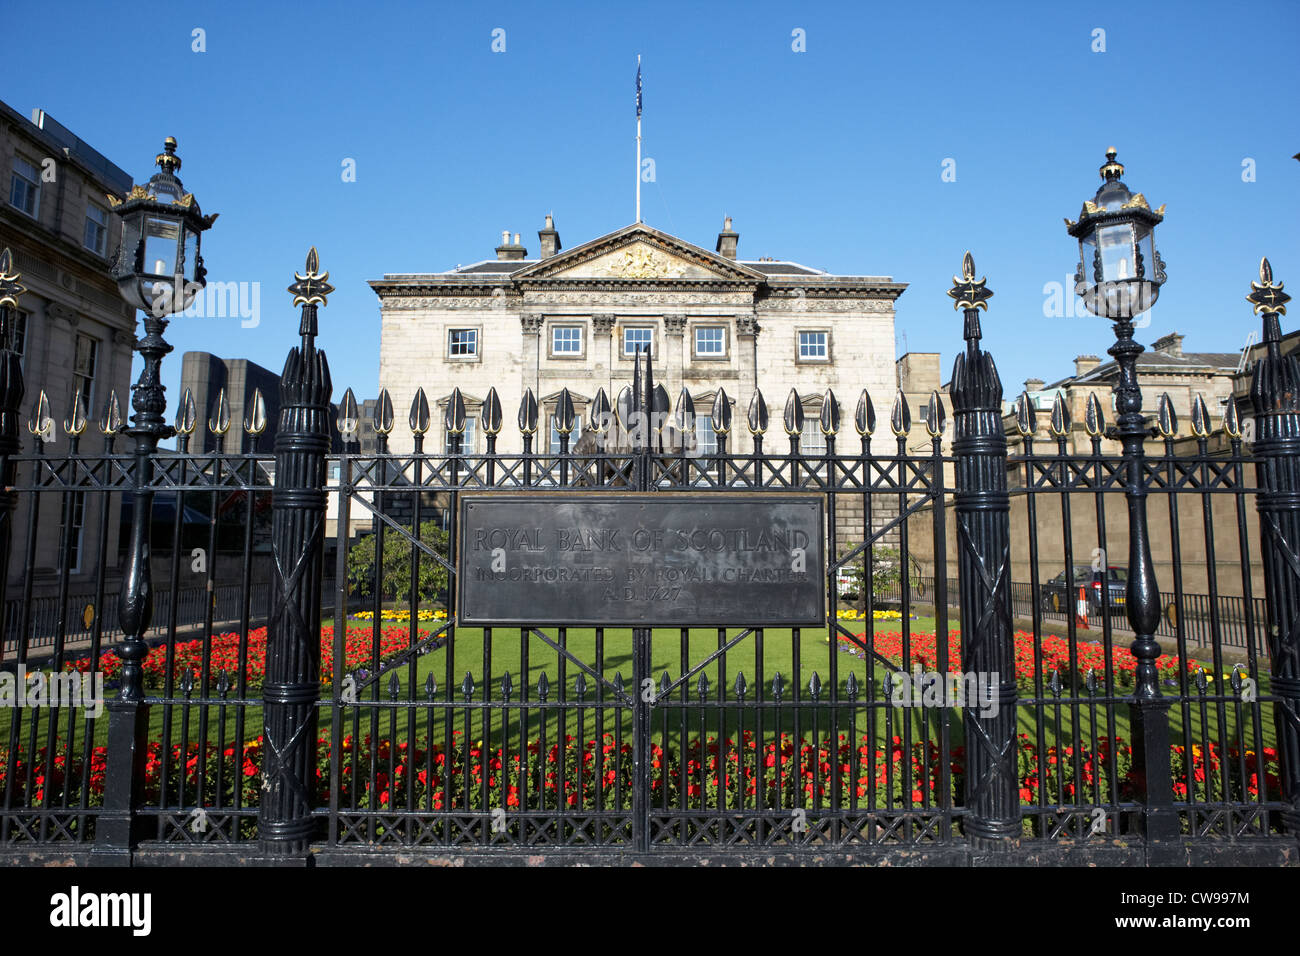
531,326
746,356
674,365
602,350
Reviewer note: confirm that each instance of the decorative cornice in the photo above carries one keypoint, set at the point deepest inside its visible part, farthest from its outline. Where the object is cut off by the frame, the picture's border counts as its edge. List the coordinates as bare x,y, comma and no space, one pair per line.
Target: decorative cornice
847,304
836,287
623,300
422,303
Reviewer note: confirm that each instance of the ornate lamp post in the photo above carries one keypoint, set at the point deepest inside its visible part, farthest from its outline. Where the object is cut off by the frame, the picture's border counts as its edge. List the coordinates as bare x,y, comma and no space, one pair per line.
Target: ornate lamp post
159,270
1119,276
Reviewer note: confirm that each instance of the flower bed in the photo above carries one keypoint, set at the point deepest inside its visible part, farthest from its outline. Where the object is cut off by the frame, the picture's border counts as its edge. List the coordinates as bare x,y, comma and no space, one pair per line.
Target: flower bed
1055,657
401,616
855,614
225,656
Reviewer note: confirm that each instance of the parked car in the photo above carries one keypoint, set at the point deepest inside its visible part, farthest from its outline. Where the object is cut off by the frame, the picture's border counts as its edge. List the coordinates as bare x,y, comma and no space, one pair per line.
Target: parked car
1056,597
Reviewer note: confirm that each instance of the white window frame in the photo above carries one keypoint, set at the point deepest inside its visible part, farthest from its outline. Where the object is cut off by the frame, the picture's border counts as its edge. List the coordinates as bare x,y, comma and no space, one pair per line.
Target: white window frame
553,444
800,345
575,353
706,438
722,343
623,350
474,355
468,438
33,184
812,443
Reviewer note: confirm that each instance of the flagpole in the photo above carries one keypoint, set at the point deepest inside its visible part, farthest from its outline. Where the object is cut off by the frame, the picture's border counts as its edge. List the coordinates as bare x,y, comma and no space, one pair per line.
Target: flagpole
638,137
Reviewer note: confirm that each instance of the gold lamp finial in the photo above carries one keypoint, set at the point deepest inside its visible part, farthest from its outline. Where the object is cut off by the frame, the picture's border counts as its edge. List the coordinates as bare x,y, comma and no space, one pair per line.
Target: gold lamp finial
1112,168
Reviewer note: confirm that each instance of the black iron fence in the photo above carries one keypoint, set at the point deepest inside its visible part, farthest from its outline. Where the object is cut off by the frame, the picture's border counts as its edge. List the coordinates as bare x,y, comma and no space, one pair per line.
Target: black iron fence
347,723
78,613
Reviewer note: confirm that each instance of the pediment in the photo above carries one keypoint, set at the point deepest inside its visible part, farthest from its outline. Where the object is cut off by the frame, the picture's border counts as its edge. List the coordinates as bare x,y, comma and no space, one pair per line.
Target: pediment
576,397
638,252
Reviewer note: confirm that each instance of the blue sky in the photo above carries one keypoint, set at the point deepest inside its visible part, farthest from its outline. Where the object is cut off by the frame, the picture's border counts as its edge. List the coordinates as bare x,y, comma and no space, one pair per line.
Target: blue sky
832,157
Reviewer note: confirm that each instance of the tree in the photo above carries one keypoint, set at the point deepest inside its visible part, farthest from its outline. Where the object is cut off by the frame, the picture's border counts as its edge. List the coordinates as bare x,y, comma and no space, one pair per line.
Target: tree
395,580
886,571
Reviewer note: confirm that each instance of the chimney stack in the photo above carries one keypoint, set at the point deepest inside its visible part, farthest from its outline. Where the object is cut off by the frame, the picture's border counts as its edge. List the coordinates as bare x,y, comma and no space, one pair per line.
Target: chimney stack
1171,344
1034,384
1083,364
549,239
508,250
727,239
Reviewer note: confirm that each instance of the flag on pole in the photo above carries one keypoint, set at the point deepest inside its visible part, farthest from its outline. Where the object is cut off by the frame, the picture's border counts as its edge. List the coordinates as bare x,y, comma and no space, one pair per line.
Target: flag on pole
638,87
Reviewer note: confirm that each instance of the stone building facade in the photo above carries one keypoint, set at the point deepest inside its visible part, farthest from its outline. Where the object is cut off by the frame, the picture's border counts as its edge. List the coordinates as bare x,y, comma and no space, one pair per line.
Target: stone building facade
576,318
1163,368
206,376
74,331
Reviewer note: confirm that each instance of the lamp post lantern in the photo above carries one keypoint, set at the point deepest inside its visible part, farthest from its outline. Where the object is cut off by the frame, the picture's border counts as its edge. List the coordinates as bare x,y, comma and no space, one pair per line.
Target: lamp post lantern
1120,271
159,268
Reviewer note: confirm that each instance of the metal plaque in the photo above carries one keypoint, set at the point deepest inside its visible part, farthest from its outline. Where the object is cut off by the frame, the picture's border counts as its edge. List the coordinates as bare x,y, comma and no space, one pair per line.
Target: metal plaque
653,559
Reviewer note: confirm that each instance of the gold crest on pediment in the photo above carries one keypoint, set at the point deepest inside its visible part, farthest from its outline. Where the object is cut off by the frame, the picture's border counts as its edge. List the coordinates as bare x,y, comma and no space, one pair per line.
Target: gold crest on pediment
643,262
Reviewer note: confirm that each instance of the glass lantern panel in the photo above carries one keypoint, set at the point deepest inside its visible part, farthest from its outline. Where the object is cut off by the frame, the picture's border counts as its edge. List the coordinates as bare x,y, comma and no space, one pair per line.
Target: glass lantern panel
166,190
1146,245
1087,251
161,242
1116,243
130,239
191,253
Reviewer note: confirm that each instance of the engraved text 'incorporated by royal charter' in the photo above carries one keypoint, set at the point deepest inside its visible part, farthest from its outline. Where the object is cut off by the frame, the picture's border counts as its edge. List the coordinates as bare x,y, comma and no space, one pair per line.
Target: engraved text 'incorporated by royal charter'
641,560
